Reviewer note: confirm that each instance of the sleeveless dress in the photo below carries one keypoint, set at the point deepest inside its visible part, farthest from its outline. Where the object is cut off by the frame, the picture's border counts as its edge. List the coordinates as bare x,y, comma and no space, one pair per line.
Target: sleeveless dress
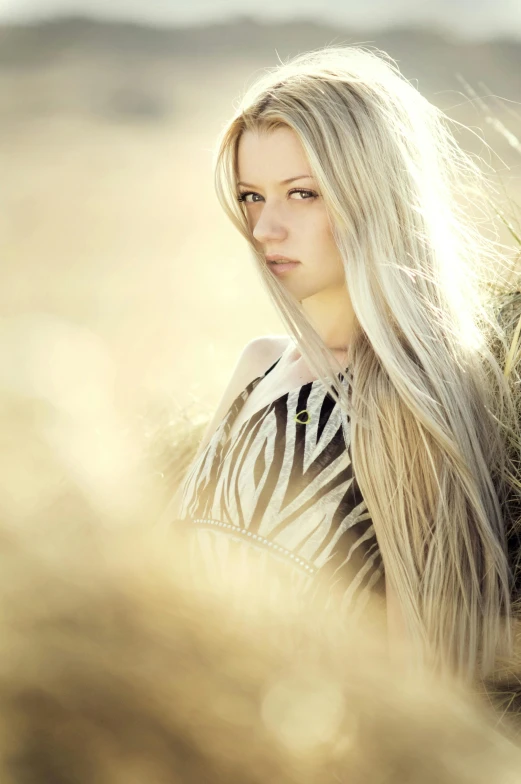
283,488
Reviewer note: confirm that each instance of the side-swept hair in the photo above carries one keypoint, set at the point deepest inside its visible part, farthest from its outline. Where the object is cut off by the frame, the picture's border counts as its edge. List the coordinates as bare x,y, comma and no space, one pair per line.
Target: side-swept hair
429,403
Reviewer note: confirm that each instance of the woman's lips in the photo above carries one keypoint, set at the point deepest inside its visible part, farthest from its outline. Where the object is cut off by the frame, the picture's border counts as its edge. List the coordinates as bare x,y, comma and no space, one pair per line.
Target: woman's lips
282,266
278,257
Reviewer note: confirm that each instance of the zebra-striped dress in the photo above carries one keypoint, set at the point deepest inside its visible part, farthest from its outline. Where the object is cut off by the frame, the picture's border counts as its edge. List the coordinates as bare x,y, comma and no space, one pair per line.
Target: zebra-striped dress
283,488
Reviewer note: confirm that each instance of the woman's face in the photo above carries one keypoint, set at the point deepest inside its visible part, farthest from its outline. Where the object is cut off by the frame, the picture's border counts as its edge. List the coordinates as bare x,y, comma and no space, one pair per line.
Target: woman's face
288,218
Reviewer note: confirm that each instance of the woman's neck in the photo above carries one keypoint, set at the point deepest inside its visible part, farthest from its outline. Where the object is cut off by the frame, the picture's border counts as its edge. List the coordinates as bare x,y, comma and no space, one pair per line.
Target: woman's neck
330,313
293,357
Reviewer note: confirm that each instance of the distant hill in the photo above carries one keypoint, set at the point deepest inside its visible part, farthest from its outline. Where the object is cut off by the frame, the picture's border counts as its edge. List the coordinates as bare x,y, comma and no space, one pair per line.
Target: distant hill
136,64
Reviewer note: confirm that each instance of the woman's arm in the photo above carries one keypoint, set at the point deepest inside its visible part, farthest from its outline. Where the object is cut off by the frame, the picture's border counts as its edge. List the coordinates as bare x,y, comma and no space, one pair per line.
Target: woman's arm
255,358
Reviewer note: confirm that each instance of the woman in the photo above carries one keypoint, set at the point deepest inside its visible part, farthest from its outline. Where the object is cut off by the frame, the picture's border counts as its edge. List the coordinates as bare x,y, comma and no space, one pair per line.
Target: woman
373,441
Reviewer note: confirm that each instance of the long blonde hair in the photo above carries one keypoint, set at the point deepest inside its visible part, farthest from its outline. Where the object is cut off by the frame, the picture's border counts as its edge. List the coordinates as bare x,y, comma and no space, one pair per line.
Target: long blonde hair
428,400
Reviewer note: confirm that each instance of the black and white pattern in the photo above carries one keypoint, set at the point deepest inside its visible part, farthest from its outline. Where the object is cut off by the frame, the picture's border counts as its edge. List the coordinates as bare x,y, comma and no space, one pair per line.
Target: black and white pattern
283,488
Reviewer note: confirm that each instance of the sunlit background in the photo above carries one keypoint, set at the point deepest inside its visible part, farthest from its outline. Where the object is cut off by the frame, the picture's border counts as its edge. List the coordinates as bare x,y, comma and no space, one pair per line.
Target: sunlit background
126,295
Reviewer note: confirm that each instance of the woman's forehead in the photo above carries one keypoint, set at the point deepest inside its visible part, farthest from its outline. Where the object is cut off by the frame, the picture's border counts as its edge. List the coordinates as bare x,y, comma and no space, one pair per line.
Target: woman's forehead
276,155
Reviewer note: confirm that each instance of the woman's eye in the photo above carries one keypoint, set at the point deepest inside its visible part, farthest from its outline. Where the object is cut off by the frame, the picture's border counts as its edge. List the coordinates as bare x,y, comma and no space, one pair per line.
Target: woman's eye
306,195
243,196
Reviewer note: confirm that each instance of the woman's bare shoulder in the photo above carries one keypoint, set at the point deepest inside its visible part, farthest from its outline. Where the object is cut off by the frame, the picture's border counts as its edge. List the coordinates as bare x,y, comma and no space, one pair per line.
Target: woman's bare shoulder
261,352
256,357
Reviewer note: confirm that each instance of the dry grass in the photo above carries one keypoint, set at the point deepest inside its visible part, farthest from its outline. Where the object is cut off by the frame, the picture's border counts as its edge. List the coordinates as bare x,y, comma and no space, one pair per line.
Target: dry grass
116,665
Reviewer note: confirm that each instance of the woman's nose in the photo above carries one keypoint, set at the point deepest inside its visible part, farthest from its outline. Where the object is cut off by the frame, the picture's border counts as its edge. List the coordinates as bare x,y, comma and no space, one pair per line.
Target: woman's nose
269,227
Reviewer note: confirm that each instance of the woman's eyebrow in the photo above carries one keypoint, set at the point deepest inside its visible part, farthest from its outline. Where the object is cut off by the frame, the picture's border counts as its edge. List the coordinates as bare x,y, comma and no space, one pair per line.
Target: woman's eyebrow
283,182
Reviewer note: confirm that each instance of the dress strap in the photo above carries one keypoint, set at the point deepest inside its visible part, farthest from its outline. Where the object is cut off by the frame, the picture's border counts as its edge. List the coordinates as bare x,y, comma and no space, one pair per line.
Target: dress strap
270,368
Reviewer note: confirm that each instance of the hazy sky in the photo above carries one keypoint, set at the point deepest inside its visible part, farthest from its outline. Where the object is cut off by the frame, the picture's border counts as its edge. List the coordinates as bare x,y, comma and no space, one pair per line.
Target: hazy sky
482,18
